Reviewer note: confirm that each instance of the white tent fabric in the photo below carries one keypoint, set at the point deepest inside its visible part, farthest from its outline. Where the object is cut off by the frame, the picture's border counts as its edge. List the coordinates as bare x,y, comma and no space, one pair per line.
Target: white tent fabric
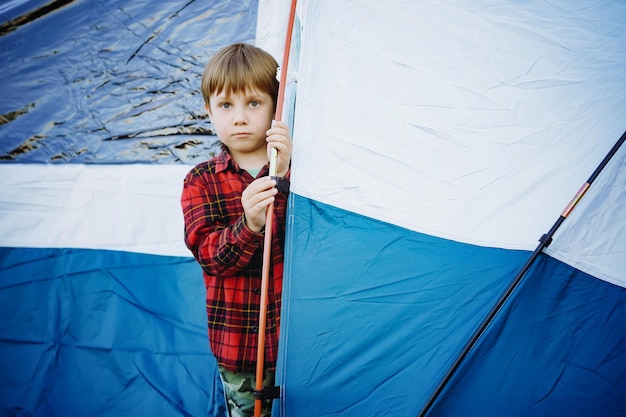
592,237
459,120
133,208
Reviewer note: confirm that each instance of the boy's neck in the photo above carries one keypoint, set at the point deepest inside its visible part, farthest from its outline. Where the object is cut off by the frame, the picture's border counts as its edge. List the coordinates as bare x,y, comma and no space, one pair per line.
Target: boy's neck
250,162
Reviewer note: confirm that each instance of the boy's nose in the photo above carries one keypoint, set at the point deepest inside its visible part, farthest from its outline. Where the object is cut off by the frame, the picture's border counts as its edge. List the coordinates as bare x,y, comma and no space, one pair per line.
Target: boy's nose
239,117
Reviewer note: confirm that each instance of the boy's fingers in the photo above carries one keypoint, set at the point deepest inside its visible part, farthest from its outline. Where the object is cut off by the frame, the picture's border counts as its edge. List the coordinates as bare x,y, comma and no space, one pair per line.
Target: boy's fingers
263,185
279,127
278,123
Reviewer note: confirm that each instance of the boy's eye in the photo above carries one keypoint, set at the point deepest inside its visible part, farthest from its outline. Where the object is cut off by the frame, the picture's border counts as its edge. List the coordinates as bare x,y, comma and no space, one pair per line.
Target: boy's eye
225,106
254,104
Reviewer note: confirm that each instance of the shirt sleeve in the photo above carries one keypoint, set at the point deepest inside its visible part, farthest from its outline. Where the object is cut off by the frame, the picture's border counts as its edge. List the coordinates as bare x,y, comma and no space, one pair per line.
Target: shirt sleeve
215,230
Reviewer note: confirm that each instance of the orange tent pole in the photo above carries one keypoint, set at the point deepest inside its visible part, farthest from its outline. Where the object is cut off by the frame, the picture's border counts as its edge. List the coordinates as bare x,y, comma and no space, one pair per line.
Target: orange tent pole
269,219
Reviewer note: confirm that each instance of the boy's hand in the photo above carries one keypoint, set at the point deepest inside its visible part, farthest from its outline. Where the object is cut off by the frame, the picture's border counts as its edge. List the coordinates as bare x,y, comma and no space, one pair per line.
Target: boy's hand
279,139
255,199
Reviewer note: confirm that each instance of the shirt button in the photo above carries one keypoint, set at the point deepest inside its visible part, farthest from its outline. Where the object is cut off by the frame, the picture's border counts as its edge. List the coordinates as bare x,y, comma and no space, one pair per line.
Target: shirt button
257,291
254,329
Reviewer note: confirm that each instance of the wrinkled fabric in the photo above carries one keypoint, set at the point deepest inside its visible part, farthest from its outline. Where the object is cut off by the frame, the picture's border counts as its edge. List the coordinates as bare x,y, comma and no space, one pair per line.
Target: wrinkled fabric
116,82
93,332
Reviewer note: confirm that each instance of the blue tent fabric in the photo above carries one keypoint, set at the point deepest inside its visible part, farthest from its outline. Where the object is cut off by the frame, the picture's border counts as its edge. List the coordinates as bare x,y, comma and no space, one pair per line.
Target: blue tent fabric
390,303
88,332
539,358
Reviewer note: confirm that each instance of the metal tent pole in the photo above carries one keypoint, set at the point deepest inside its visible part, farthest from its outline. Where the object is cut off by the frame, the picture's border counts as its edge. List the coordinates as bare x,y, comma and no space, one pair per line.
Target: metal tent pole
544,242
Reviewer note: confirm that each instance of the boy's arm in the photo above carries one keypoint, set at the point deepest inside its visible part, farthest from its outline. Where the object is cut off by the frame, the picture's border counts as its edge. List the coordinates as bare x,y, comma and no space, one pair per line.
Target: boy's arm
221,249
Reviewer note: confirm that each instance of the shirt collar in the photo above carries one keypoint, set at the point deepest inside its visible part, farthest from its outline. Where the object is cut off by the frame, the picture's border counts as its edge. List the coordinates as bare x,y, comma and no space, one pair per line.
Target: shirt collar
224,160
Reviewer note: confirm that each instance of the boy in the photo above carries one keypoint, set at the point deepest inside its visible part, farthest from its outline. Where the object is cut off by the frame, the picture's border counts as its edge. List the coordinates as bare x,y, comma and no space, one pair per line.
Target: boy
224,202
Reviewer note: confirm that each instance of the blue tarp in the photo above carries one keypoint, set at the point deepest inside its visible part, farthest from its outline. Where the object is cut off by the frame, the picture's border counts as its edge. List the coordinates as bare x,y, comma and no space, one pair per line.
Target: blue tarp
111,82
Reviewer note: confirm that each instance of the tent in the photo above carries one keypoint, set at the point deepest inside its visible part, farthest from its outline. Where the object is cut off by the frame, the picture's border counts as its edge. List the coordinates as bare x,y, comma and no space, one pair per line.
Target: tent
434,144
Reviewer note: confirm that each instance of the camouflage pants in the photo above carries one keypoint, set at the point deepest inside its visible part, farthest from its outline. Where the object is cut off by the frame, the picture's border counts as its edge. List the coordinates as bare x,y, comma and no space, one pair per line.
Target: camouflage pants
239,390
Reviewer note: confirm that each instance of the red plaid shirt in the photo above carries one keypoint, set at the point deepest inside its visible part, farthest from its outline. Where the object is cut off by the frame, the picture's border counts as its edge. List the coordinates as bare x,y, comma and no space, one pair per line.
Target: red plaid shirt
231,256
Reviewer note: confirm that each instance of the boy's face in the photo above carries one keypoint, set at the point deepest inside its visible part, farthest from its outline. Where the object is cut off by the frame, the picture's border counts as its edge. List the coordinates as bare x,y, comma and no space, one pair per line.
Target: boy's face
241,121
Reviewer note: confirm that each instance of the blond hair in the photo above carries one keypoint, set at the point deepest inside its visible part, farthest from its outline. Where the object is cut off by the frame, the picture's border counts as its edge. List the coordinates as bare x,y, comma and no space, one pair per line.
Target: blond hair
238,68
